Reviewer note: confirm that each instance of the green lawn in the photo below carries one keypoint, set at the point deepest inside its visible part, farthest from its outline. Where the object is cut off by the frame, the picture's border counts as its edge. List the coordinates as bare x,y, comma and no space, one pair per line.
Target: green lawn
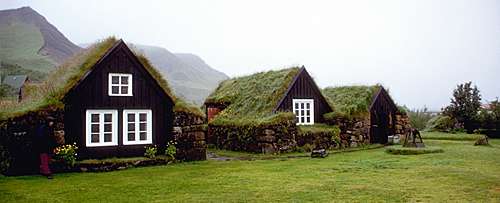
462,173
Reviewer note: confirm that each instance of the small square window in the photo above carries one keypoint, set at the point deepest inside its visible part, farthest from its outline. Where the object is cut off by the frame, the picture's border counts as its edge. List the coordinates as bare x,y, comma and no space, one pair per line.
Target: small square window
95,118
131,137
131,127
108,117
120,84
115,79
95,138
108,137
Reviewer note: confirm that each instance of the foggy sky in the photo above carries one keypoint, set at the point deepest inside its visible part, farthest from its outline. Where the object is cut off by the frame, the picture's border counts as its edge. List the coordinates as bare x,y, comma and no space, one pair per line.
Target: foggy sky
419,50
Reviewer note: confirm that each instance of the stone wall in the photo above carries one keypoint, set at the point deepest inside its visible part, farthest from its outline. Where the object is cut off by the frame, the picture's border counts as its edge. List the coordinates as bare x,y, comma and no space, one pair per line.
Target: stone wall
266,138
318,140
353,133
277,138
402,126
189,133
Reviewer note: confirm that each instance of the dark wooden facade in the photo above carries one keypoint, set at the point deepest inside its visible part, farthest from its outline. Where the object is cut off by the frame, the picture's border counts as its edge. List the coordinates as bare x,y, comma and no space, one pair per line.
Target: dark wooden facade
91,92
383,115
303,87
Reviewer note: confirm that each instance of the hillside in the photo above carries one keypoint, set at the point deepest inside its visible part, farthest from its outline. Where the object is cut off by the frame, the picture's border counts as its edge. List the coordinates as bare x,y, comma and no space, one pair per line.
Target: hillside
28,40
188,74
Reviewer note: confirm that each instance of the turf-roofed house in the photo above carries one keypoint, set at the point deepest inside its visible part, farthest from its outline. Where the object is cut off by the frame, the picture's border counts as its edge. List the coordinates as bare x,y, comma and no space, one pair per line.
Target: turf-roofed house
260,112
17,83
365,113
112,102
117,108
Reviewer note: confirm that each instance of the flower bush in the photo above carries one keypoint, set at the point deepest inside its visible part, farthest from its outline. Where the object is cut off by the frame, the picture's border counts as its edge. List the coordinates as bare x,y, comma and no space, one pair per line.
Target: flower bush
151,151
67,154
171,149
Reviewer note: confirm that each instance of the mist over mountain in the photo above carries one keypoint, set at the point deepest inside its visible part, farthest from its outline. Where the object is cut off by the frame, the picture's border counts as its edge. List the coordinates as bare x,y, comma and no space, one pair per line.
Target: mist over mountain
28,40
188,74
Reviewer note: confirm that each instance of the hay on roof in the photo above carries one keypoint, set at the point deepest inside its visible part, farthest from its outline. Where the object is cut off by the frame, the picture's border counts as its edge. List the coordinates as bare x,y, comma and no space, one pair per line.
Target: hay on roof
350,101
252,96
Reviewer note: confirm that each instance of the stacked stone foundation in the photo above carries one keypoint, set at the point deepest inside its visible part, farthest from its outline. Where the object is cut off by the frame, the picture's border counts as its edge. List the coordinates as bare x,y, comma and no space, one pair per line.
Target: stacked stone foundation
402,126
189,133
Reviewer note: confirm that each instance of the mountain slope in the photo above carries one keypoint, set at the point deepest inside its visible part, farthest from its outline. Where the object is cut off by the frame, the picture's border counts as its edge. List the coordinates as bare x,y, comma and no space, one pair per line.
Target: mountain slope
196,62
188,74
27,39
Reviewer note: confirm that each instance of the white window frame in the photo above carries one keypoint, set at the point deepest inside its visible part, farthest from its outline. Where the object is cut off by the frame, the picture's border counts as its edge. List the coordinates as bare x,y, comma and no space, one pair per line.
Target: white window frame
301,112
114,127
137,131
119,85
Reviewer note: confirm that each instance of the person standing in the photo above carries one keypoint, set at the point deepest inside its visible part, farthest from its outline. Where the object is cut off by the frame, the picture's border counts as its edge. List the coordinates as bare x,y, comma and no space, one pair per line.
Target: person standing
47,146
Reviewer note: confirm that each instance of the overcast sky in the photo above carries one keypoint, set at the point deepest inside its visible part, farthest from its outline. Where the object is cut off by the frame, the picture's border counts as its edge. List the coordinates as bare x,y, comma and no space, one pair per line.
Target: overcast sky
419,50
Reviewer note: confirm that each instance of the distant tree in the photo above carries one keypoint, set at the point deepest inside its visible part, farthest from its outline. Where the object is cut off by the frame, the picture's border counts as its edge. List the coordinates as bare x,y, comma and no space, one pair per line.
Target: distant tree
490,118
465,106
420,117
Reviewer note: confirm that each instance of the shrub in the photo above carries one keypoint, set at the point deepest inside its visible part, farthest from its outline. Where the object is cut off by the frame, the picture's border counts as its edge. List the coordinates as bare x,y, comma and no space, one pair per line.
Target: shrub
420,117
441,123
308,147
151,151
66,154
171,149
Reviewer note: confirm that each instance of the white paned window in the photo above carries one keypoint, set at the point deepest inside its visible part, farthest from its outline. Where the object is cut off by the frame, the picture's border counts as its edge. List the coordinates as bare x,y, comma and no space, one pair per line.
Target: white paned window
102,128
120,84
304,110
137,126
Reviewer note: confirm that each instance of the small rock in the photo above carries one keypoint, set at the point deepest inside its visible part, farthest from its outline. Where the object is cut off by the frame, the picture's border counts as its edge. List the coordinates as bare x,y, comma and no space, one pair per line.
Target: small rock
177,129
320,153
268,132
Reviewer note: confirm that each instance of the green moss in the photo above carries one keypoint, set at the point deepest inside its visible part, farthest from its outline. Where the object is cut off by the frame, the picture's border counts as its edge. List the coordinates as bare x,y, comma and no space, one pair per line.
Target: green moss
226,120
350,101
253,96
318,128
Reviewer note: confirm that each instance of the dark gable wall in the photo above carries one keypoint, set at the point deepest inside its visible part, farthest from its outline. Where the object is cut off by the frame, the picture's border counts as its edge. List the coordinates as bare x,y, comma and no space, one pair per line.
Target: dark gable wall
382,111
303,87
92,93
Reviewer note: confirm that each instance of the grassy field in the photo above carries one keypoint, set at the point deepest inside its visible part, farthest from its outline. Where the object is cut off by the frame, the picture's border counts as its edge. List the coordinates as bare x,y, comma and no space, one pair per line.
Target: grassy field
23,49
462,173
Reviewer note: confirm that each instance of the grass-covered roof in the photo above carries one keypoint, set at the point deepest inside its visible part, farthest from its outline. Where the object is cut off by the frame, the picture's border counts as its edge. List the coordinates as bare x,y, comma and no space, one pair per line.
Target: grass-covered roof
50,93
350,101
252,96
